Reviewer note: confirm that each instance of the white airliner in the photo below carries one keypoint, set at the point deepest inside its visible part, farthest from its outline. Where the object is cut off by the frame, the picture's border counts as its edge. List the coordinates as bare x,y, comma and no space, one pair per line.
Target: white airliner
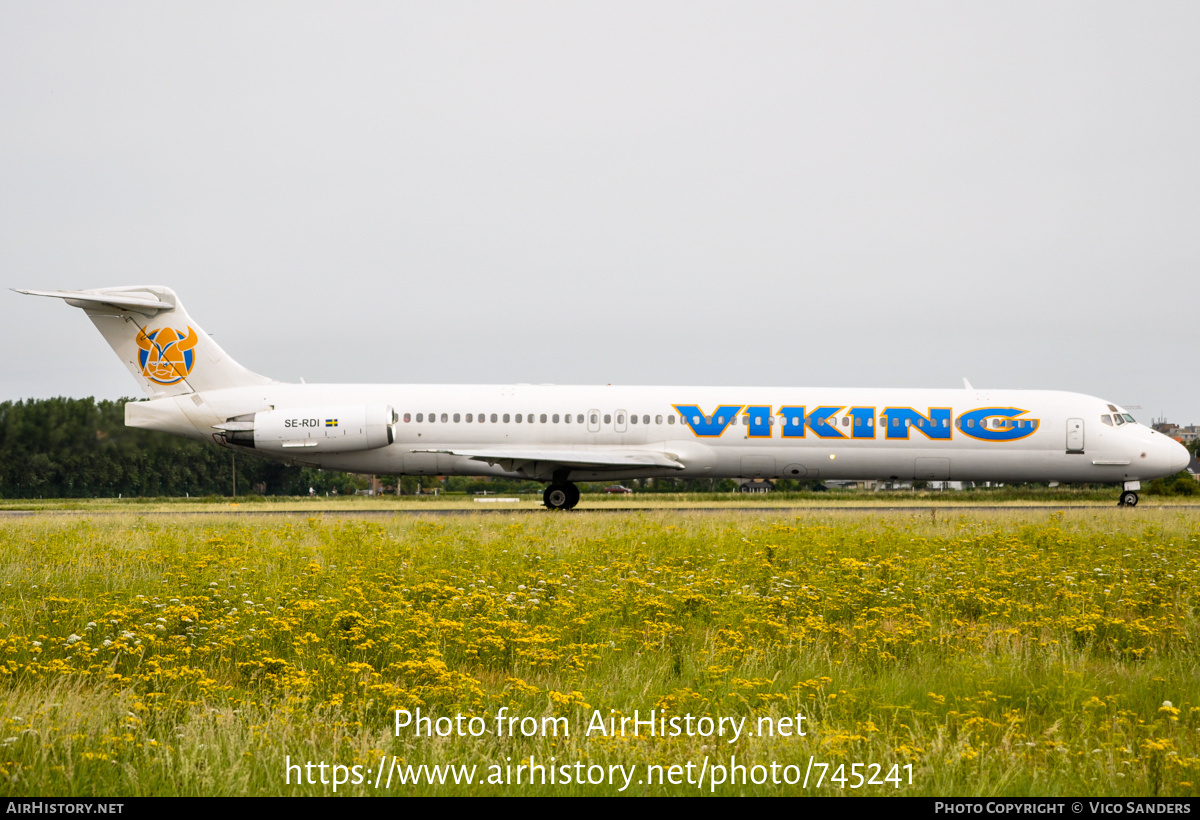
560,434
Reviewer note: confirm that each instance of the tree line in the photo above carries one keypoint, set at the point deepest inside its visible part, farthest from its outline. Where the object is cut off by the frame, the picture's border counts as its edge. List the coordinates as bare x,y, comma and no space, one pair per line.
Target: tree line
81,448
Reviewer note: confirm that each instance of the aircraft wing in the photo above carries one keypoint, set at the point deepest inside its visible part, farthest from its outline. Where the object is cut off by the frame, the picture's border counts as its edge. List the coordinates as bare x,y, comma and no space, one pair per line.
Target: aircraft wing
511,460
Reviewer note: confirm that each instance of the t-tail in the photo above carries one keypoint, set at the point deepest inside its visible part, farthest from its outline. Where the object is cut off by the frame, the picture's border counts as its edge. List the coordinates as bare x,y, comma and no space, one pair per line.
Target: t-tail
165,349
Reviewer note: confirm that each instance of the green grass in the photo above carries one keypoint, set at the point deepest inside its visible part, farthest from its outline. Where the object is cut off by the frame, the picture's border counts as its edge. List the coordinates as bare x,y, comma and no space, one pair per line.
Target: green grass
1021,652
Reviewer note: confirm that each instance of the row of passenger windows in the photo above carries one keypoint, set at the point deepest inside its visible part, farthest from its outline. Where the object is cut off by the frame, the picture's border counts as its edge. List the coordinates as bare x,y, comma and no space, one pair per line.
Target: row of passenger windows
795,421
529,418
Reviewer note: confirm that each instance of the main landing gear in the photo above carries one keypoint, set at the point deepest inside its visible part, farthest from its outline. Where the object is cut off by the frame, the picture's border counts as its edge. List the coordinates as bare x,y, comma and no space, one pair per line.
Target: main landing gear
561,495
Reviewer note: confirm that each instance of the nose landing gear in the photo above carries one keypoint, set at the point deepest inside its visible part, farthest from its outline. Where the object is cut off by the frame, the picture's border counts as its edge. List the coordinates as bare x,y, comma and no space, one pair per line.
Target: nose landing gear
561,495
1129,494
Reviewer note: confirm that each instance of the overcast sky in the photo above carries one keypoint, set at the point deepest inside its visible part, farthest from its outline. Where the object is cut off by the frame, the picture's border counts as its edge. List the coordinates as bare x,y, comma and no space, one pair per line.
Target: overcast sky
872,194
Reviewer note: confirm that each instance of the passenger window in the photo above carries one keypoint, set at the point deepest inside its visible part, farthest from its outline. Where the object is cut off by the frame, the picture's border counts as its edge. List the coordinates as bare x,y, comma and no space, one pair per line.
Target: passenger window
645,419
845,421
518,418
695,419
555,418
920,422
757,420
632,419
481,418
420,417
579,419
621,419
908,422
506,418
458,418
670,419
407,417
494,418
970,422
542,419
945,422
1106,420
595,418
658,419
443,418
608,418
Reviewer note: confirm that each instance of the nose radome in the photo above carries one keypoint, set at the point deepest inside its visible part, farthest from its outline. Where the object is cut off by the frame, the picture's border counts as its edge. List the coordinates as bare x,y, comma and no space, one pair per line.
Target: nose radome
1180,457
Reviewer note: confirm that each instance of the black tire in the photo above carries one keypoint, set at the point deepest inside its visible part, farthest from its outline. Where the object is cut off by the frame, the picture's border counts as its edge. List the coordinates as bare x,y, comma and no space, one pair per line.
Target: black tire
572,496
557,497
1128,499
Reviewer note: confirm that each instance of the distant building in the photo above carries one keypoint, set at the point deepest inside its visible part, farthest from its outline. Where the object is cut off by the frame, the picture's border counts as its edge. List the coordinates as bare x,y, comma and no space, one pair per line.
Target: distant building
756,485
1184,435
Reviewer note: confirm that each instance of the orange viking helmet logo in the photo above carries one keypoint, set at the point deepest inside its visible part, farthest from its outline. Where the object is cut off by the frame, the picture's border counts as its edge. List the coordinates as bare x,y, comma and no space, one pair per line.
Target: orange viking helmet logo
166,354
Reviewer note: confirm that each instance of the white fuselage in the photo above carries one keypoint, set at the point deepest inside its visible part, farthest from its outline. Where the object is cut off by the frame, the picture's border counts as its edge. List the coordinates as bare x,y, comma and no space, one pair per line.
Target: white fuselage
769,432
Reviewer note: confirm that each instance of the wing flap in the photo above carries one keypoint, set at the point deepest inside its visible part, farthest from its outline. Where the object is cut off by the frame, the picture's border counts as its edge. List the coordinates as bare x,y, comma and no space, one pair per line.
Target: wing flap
585,459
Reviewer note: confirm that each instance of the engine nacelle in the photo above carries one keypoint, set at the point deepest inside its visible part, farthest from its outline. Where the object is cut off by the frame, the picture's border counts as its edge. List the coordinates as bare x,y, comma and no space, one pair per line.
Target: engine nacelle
332,429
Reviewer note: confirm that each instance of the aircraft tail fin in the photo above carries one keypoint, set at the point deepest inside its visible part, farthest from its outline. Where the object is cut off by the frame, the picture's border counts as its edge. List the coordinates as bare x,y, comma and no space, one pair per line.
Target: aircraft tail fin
165,350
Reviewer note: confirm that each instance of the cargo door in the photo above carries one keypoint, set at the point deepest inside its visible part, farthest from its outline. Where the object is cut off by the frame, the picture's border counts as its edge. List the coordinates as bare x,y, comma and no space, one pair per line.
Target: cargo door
758,467
932,469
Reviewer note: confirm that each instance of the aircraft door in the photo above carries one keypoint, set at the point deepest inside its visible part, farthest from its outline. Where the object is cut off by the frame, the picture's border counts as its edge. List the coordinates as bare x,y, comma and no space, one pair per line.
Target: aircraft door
593,421
619,419
1074,435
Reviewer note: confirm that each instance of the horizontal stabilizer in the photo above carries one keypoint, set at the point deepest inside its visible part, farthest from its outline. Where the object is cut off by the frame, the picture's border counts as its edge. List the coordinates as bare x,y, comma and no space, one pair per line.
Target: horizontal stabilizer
138,301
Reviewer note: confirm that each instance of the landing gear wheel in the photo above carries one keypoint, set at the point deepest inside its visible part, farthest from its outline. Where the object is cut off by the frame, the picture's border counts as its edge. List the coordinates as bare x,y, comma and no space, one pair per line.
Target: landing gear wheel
560,496
1128,499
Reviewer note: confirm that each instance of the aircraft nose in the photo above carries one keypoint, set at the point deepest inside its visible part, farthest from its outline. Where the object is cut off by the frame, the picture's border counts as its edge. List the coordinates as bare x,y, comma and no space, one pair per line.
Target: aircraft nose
1179,457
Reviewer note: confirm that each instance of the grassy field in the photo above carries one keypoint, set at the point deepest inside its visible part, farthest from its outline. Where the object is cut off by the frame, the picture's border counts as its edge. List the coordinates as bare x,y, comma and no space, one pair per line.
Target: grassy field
1030,652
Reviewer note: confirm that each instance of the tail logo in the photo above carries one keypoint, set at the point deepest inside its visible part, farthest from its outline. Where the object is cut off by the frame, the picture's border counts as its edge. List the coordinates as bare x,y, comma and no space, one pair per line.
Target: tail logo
166,354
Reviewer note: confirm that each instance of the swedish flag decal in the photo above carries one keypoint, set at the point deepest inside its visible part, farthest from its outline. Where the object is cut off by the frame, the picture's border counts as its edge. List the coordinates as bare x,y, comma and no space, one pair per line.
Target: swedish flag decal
331,422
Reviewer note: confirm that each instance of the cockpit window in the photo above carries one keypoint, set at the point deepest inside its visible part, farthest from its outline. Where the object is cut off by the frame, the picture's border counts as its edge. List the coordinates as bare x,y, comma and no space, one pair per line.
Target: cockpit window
1107,420
1117,418
1130,418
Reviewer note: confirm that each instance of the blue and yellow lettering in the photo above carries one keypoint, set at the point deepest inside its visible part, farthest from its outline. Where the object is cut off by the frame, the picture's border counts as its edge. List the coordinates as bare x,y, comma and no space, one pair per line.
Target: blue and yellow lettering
759,421
863,419
996,424
708,426
904,420
817,422
793,421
